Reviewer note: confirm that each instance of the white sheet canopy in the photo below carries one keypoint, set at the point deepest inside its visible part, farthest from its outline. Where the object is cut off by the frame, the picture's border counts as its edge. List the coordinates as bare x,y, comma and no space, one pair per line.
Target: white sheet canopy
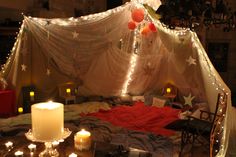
109,59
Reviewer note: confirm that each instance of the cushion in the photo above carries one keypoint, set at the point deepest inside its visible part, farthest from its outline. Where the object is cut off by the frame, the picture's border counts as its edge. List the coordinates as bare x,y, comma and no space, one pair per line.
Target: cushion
158,102
138,98
199,106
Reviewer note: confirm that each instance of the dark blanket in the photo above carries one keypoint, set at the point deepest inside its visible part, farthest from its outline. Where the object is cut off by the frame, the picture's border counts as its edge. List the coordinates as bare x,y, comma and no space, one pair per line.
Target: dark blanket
140,117
158,145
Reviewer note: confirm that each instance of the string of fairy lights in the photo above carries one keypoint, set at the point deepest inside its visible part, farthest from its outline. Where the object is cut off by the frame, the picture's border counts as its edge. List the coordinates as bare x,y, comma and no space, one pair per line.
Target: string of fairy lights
132,63
61,22
133,59
215,81
13,50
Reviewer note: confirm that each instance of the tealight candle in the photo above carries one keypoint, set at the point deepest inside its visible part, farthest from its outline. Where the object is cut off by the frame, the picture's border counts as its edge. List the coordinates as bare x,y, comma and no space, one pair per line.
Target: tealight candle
32,147
9,145
47,121
82,140
31,95
55,143
73,155
19,153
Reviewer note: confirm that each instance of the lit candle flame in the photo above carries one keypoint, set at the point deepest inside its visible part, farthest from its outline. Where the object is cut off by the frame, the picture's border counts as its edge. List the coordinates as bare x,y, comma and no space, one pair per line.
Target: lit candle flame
32,147
19,153
73,155
9,144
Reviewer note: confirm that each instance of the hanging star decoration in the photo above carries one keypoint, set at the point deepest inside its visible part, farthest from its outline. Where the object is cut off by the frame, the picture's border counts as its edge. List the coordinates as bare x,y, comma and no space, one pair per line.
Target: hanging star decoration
188,100
23,67
148,70
191,61
75,34
48,72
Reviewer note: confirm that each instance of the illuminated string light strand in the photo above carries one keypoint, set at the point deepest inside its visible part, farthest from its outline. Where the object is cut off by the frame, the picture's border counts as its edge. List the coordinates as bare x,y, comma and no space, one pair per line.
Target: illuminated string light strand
80,20
12,52
210,69
132,64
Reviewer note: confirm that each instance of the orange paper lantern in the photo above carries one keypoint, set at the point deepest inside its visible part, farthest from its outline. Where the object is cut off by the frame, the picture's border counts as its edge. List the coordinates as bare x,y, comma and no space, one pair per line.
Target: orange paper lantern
146,30
138,15
131,25
152,27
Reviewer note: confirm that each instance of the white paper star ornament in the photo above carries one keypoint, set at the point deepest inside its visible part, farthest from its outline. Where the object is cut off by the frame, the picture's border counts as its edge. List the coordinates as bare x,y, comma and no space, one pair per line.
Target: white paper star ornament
23,67
75,34
191,61
188,100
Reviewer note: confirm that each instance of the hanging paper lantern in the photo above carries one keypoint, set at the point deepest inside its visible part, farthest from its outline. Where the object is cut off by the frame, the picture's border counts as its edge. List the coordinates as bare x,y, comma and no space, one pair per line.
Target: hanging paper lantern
146,30
152,27
138,15
131,25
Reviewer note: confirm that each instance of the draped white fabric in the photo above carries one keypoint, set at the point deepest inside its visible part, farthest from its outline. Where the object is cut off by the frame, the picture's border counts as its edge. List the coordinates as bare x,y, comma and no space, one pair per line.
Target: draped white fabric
97,49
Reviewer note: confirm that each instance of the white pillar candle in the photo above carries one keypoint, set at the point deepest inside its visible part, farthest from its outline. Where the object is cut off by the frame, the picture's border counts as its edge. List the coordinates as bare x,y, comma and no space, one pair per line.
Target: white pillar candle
47,121
82,140
19,153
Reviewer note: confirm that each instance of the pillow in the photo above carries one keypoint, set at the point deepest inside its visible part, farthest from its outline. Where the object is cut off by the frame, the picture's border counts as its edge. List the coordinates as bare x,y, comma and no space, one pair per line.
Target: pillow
199,106
138,98
158,102
148,99
126,98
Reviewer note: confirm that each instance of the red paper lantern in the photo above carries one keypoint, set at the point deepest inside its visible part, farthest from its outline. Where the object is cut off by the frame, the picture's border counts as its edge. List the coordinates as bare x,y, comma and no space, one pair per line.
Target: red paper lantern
146,30
131,25
138,15
152,27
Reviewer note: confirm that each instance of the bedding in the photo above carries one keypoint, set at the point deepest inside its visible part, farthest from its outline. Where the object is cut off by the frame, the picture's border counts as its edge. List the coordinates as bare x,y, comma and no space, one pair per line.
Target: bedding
140,117
101,130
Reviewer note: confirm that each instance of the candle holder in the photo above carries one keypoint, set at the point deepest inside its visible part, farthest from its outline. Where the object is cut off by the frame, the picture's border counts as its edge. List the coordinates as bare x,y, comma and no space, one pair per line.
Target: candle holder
50,150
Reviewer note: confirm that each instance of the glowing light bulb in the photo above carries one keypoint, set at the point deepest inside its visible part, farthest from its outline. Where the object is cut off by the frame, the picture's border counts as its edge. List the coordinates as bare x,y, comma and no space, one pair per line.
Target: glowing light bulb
20,110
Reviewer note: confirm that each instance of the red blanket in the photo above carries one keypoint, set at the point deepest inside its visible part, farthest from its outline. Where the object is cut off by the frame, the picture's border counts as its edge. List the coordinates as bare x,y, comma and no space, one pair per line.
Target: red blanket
140,117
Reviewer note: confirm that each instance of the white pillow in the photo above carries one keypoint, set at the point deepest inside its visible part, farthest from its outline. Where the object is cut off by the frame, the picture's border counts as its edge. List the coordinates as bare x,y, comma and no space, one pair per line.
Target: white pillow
138,98
158,102
201,106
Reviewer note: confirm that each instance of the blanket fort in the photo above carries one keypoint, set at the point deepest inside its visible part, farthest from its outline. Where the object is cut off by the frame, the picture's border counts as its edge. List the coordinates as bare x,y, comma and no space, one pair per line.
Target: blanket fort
109,59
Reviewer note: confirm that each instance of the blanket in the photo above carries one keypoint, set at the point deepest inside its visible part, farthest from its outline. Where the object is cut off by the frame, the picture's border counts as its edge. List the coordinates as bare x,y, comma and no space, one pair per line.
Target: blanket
140,117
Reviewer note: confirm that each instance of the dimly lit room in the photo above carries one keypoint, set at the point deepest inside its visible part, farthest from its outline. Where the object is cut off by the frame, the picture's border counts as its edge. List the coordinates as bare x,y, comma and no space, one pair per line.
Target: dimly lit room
117,78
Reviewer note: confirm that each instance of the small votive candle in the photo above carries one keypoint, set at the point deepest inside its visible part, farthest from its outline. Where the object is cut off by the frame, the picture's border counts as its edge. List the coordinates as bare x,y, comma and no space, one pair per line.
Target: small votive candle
9,145
32,147
19,153
73,155
82,140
